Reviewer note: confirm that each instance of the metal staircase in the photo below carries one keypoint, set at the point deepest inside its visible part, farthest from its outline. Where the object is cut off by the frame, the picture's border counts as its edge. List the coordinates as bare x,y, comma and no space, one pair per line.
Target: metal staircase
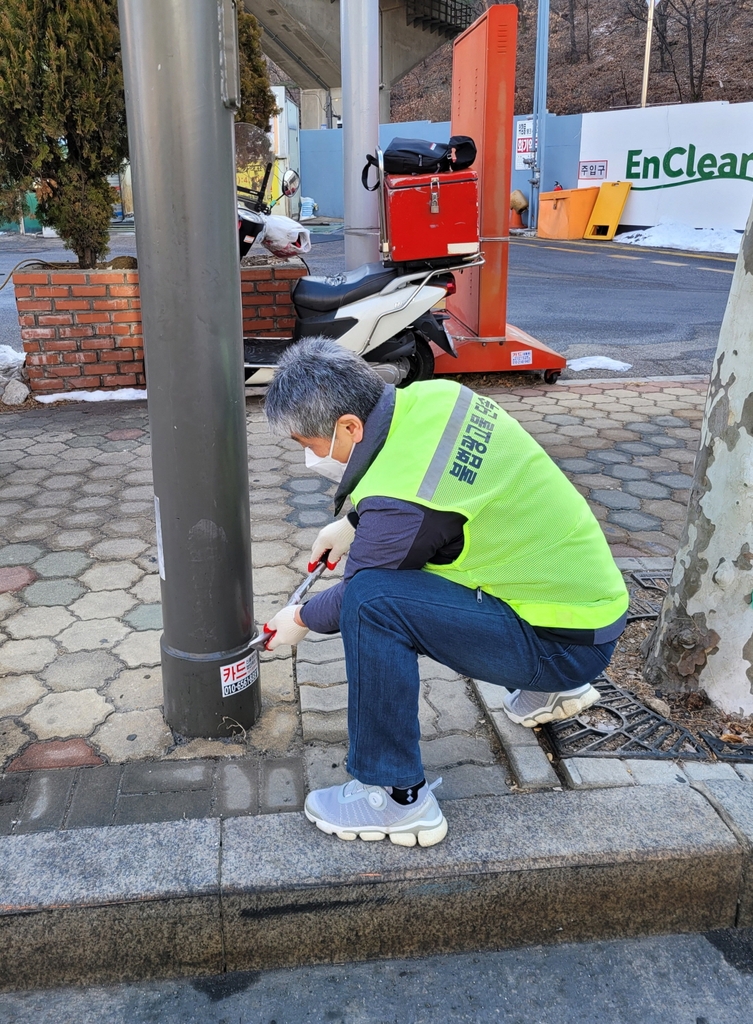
447,18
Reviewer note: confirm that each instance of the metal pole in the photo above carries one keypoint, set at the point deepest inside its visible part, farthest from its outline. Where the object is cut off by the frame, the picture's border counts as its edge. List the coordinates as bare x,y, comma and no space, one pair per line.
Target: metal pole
647,55
359,43
181,83
539,110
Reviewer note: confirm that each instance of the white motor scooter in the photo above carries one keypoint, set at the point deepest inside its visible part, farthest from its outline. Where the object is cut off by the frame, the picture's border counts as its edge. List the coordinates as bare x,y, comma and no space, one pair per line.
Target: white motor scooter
382,311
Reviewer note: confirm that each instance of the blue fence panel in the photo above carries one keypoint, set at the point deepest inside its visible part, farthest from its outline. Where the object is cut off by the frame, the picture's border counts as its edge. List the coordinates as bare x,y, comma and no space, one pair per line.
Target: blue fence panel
322,169
561,157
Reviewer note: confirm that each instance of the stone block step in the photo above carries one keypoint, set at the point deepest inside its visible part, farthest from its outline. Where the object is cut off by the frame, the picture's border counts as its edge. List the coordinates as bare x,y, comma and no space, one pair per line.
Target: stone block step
195,897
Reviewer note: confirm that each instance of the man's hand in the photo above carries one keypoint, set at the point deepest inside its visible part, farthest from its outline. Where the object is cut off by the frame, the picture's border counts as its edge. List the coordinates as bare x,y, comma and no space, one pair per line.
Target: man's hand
286,626
334,538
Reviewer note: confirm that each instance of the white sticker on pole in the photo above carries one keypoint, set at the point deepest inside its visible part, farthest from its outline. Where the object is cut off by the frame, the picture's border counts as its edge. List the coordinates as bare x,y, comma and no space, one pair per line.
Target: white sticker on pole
521,358
158,525
240,675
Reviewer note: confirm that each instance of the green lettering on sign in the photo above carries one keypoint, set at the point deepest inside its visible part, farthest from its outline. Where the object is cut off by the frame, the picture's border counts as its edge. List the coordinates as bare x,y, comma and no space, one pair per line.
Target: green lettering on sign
669,170
707,165
633,169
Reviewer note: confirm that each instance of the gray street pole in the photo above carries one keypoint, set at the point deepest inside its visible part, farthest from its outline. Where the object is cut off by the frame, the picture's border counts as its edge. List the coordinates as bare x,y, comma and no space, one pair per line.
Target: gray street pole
181,82
359,58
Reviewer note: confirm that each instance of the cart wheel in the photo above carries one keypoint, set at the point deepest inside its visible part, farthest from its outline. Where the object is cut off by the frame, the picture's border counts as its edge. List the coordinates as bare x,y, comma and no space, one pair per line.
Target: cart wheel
551,376
421,364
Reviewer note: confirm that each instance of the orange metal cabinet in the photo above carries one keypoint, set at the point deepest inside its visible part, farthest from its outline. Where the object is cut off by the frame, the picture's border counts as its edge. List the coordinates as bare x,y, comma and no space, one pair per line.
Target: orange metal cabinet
565,213
483,96
431,215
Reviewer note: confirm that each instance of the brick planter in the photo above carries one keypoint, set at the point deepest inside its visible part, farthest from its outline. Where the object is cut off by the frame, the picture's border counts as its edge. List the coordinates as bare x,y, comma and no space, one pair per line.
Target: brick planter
82,328
267,306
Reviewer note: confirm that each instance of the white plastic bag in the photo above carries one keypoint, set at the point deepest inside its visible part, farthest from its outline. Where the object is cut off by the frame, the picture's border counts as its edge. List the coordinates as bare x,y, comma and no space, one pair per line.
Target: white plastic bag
286,237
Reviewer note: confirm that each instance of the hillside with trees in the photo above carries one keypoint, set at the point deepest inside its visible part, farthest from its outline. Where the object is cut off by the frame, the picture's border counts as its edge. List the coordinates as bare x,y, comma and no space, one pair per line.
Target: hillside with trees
701,51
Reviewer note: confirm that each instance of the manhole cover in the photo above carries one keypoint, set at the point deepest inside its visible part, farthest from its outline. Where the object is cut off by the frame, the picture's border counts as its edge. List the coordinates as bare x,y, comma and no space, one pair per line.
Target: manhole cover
618,725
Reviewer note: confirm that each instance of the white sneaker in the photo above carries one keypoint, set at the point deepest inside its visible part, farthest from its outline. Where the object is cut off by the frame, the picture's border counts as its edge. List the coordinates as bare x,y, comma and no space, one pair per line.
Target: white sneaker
355,810
532,707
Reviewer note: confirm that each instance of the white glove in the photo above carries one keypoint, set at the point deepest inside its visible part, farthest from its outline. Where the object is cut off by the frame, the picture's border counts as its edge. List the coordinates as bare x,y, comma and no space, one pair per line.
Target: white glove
335,538
285,629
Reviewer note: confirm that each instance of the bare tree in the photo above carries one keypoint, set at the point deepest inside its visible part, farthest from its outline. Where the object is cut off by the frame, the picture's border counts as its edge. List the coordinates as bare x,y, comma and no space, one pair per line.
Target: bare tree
683,29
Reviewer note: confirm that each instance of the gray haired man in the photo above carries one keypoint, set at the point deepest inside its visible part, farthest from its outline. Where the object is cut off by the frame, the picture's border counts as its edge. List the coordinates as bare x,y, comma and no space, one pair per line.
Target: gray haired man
466,544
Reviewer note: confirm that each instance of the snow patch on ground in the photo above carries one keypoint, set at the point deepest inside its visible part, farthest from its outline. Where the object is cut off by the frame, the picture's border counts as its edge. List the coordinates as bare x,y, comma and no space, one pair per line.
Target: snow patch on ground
596,363
10,359
672,235
123,395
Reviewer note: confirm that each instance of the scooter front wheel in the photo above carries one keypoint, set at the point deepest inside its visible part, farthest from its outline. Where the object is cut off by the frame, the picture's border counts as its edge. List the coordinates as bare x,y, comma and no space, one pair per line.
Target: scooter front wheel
421,364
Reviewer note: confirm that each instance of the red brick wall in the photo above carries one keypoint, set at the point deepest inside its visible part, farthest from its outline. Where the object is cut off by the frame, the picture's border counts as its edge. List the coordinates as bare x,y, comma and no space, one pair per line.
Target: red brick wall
267,305
82,328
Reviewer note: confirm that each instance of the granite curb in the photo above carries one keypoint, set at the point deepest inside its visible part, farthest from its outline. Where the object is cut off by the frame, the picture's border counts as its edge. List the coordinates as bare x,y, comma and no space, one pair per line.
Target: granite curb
193,897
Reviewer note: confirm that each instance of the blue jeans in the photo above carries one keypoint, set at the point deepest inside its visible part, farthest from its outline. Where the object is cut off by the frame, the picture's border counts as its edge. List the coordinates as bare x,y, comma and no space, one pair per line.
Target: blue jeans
390,616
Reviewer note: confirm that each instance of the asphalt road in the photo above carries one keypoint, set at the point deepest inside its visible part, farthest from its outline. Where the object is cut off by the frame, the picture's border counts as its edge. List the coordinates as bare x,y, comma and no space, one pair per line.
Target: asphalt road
670,980
659,310
656,309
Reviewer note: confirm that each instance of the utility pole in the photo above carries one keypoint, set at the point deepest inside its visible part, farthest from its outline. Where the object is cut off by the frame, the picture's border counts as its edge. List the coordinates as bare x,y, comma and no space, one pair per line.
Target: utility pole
539,111
647,54
180,65
359,58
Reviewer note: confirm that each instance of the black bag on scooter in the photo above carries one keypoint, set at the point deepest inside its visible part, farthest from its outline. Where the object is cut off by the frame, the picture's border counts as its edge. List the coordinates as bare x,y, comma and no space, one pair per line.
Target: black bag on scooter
415,156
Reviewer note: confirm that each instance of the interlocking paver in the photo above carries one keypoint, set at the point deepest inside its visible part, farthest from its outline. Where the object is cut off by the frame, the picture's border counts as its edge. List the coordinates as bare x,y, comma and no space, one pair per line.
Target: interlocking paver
94,491
132,735
19,656
62,715
18,694
137,689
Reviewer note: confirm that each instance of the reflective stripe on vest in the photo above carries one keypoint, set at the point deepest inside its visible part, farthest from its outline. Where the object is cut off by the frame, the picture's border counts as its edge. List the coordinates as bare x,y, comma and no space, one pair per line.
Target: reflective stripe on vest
530,537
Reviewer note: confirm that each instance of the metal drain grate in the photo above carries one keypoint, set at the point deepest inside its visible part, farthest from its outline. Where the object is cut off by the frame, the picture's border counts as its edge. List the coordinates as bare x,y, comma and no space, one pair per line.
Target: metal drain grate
653,580
620,726
647,605
742,753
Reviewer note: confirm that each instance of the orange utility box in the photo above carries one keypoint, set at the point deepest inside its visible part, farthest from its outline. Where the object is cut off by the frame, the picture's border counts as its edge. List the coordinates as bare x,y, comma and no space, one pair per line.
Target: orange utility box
566,212
431,216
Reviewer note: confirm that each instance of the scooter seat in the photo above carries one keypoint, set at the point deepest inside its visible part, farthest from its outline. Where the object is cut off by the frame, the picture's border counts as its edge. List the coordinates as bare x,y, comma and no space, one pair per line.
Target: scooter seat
321,294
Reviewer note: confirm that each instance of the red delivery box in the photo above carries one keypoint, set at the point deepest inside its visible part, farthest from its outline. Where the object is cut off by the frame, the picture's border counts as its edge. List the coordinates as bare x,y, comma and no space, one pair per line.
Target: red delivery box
429,216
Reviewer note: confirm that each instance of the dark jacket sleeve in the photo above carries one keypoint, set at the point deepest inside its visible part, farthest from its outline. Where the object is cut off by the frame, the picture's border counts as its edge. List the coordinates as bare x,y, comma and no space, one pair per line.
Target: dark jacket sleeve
390,534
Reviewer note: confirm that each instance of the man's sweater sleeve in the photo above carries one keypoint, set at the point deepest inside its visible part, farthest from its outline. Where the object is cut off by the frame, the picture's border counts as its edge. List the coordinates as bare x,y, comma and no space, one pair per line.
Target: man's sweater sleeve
385,538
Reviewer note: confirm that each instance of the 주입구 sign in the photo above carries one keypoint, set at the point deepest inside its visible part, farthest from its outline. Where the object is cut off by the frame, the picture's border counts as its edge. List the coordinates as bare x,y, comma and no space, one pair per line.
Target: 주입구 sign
691,163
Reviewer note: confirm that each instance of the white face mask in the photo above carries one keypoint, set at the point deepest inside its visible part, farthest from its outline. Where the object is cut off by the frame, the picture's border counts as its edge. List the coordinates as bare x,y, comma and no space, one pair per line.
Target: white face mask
325,465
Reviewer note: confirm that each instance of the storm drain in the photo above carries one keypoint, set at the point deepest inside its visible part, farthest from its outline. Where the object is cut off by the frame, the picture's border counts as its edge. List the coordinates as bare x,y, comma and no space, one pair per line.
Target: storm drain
742,753
647,590
618,725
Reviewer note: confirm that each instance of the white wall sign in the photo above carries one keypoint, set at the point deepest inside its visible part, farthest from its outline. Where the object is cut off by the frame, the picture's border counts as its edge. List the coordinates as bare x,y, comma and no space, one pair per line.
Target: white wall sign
593,170
691,163
523,143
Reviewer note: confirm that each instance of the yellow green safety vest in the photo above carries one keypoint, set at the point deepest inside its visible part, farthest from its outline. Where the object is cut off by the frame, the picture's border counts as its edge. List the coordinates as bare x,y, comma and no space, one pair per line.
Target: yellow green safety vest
530,537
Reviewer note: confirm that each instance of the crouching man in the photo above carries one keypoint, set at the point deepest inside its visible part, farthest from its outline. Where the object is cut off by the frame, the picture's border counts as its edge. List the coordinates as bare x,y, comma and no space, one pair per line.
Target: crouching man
466,544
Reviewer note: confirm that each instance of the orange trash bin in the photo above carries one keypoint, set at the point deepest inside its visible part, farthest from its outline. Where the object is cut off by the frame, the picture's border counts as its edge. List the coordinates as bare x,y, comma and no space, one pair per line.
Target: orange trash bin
566,212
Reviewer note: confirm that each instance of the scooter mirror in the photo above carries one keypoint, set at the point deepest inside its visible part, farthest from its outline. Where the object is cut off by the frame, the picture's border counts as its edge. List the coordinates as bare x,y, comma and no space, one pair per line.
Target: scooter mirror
291,182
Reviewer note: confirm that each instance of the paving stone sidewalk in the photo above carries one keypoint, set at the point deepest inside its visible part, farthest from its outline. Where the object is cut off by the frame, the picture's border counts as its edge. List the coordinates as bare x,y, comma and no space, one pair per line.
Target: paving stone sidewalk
79,592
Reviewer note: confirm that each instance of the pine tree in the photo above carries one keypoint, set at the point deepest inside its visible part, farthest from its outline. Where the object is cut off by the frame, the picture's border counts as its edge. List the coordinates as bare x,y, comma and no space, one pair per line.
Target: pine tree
62,112
62,116
257,98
